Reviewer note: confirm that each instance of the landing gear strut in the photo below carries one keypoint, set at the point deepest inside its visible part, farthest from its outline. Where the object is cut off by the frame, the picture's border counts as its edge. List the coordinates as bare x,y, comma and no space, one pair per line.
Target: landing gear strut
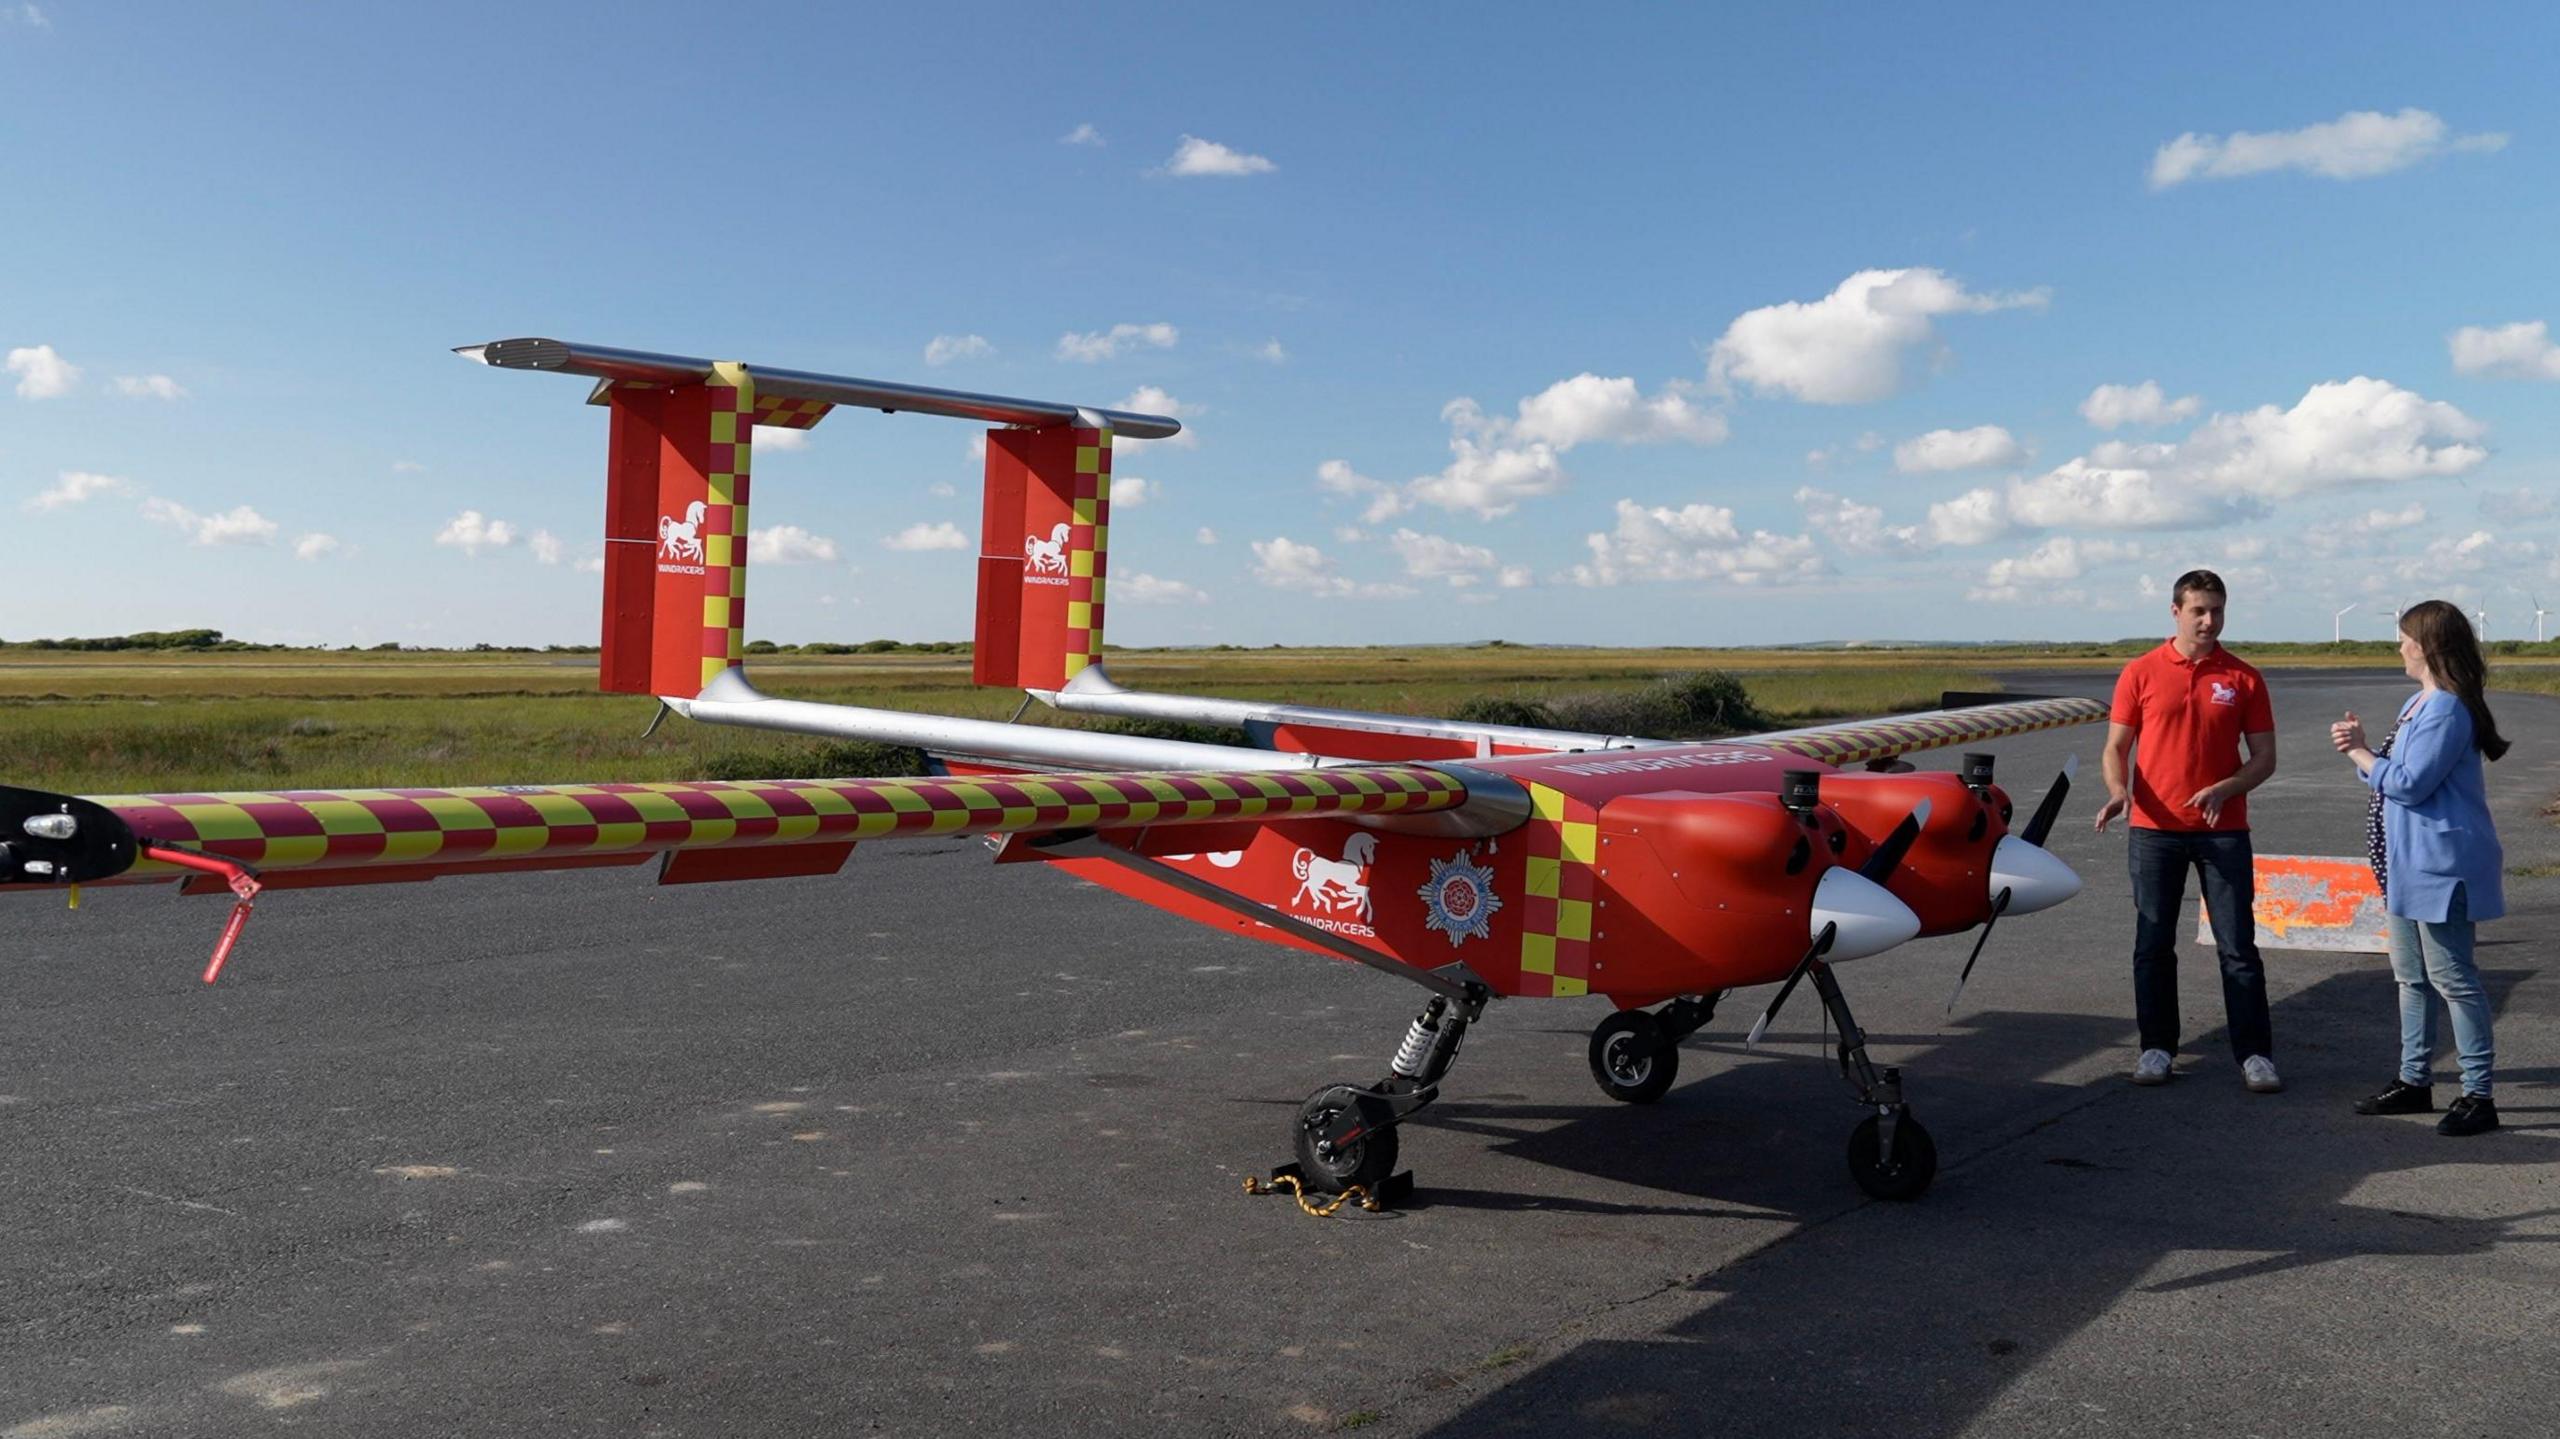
1635,1053
1345,1134
1890,1155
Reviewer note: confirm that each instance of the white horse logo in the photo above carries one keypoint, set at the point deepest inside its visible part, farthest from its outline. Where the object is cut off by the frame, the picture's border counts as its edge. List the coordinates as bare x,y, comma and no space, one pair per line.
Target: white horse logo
1336,885
682,541
1049,556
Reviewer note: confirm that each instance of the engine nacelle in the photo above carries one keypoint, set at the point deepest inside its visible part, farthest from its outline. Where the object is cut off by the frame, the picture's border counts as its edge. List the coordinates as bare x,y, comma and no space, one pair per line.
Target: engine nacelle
1718,891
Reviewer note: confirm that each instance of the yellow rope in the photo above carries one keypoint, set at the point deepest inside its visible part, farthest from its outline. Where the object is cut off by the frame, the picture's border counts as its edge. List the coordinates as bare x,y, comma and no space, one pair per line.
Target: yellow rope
1298,1190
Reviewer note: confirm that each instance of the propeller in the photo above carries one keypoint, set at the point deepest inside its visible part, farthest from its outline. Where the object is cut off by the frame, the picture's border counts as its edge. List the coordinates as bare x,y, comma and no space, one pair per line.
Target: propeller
1999,906
1880,920
1795,976
2049,808
2046,880
1888,855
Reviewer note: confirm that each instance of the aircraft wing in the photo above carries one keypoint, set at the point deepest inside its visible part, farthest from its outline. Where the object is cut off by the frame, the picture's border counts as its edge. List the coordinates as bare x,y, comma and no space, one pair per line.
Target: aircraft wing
1858,741
706,831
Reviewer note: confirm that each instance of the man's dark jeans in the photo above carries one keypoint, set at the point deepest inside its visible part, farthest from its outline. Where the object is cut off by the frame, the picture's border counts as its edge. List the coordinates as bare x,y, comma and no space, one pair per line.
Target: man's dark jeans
2160,859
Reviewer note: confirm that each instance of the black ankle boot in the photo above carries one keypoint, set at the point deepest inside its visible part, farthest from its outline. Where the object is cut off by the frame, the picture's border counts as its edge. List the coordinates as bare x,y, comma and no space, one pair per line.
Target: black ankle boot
2399,1098
2471,1114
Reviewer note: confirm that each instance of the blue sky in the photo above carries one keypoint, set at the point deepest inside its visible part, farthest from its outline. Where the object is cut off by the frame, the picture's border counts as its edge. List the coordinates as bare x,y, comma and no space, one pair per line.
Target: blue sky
1644,327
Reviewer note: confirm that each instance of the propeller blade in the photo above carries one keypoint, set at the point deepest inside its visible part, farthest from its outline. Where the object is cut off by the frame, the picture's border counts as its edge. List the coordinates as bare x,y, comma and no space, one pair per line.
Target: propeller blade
1795,976
1999,906
1881,864
2051,808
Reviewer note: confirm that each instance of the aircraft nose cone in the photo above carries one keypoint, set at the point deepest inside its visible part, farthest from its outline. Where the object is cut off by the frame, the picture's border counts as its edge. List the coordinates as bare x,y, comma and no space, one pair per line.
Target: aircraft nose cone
2035,878
1871,920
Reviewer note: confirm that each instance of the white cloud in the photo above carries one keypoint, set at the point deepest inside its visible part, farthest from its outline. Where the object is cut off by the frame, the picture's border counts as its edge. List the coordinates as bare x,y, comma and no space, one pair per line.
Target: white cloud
2523,503
546,547
1128,492
73,486
1489,480
1108,344
1283,563
943,349
1974,449
1436,557
1205,536
313,546
1694,542
2357,145
1149,590
1350,534
591,565
1857,528
2521,351
2109,406
1083,134
2038,573
1273,351
1337,477
779,439
42,374
1848,347
1975,517
1515,577
407,467
239,525
1152,400
940,535
471,532
1195,156
792,545
150,387
2341,433
1587,407
2478,552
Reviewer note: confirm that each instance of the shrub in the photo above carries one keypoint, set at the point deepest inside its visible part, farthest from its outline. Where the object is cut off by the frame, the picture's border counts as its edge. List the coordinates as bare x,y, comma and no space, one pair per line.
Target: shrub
841,759
1500,709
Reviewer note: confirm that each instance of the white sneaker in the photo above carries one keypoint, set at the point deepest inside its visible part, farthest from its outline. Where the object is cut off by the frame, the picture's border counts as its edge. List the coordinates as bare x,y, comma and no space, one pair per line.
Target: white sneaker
2259,1073
2153,1067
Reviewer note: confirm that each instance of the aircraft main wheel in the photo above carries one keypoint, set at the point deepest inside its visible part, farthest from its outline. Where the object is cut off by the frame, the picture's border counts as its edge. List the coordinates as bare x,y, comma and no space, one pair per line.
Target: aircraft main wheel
1901,1175
1621,1067
1364,1161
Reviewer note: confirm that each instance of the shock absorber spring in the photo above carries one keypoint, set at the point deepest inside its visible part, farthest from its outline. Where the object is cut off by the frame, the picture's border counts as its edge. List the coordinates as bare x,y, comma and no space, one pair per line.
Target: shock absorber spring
1413,1057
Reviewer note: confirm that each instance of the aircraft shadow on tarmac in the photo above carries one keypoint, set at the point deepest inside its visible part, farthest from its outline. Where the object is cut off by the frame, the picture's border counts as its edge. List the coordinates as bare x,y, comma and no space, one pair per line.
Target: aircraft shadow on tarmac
1916,1319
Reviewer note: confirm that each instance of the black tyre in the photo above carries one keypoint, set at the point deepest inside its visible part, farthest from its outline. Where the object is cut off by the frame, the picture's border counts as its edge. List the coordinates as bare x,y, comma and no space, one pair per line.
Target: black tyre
1903,1174
1620,1064
1366,1159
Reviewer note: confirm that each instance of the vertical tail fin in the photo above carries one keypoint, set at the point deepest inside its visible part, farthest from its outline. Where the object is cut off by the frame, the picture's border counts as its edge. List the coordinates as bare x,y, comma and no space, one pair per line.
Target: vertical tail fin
1040,554
675,529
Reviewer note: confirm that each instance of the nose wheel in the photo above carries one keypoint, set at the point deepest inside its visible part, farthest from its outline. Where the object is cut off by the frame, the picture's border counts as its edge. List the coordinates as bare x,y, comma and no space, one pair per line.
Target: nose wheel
1892,1165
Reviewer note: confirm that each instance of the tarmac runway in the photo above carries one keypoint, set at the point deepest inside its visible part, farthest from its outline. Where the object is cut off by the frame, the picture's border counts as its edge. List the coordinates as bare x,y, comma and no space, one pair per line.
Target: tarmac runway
936,1147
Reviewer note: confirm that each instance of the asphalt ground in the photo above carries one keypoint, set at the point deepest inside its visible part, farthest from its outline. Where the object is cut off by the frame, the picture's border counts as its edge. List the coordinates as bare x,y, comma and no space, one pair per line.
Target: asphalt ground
937,1147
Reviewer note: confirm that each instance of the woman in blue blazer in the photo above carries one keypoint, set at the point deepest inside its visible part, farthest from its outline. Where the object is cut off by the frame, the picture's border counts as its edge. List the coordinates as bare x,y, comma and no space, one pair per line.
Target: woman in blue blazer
2435,853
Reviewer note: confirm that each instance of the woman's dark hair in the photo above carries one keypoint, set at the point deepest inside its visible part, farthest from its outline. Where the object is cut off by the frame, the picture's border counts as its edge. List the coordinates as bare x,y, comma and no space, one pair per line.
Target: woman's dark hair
2453,652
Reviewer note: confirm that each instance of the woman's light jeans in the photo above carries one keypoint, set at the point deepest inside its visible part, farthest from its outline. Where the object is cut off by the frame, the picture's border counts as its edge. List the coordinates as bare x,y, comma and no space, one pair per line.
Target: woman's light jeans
2437,979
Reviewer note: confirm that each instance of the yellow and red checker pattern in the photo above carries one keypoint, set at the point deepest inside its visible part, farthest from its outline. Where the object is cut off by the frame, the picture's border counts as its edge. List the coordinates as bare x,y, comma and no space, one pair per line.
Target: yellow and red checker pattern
1563,838
1874,739
334,829
724,523
1088,547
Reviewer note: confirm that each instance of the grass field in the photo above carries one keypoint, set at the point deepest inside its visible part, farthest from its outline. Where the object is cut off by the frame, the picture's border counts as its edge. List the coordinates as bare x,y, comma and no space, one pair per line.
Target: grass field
160,721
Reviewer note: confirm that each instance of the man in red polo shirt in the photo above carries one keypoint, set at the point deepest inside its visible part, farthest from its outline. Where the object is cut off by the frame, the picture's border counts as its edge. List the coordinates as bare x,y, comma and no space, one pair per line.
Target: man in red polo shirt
2184,713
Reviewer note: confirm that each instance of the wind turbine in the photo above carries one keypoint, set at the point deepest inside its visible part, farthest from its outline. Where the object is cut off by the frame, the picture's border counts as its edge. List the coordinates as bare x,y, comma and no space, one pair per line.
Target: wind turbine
2538,613
2338,625
2480,622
